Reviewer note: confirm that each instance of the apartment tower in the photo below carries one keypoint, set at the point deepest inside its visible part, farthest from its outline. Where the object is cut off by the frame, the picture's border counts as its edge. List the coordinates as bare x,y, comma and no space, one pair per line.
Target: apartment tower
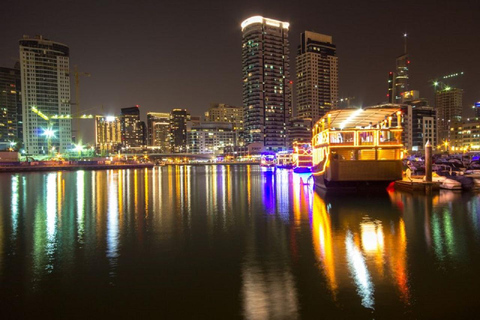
317,76
45,82
266,93
448,103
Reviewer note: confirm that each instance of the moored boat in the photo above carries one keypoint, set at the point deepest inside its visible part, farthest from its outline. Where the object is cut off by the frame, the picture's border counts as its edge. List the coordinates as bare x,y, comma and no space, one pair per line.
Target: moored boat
358,149
302,157
284,160
267,160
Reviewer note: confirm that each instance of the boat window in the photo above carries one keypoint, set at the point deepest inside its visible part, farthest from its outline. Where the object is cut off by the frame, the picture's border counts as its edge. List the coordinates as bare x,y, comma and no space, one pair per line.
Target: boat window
342,154
387,154
390,137
344,138
366,154
366,138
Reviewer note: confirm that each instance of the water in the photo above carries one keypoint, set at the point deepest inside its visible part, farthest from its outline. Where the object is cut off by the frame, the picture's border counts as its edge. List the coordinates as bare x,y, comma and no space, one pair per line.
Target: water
230,242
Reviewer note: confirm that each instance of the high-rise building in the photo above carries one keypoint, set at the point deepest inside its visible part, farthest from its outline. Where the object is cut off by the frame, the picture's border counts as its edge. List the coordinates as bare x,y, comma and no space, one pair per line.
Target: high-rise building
419,122
158,127
219,112
10,107
108,134
449,105
398,81
133,130
44,69
317,75
266,93
178,130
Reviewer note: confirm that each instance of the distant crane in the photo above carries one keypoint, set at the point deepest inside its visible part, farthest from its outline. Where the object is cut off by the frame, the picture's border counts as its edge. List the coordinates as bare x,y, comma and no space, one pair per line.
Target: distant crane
439,85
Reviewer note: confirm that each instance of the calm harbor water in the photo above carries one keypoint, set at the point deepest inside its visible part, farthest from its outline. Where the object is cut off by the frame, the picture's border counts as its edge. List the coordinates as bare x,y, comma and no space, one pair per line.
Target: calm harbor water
230,242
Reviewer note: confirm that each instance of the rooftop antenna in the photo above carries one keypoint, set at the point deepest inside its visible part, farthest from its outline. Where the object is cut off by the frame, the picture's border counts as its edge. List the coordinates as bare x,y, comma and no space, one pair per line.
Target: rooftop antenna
405,42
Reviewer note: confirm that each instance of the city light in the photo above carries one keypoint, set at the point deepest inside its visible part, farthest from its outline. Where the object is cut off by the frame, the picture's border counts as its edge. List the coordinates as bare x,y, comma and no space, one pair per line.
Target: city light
79,148
49,133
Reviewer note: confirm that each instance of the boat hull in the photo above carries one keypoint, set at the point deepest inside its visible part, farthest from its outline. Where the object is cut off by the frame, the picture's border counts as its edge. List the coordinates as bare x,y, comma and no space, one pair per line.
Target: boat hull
344,175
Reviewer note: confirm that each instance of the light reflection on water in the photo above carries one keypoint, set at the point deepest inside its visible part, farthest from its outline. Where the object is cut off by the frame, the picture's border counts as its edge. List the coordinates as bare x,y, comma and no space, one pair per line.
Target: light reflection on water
235,240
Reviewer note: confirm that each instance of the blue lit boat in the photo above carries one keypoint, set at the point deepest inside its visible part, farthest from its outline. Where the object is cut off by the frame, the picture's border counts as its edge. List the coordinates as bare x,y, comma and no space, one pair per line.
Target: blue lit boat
284,160
267,160
356,149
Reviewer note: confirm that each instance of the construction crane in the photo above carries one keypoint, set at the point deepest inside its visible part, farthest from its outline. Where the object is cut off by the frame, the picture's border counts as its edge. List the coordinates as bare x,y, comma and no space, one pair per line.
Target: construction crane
48,132
439,85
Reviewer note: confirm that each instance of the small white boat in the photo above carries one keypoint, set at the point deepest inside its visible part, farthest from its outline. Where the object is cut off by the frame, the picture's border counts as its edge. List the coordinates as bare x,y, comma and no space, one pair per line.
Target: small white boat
446,183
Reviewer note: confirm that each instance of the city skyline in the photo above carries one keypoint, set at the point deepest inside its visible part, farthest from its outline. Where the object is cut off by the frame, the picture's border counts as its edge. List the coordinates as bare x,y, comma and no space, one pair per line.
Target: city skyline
124,73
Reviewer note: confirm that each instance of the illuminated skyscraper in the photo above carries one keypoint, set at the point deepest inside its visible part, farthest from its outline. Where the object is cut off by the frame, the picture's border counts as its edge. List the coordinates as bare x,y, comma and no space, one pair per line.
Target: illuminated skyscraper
178,130
10,106
266,93
398,81
108,134
317,75
448,103
158,126
44,69
133,130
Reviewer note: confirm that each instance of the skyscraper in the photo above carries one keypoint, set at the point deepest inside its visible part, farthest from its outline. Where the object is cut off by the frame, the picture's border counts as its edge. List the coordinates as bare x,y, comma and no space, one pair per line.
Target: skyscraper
398,81
108,134
132,128
448,103
44,69
419,122
10,106
158,126
317,75
178,130
266,93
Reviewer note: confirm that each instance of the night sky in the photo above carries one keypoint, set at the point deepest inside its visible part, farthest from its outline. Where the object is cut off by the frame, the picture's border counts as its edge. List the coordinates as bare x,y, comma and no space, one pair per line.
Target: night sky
187,54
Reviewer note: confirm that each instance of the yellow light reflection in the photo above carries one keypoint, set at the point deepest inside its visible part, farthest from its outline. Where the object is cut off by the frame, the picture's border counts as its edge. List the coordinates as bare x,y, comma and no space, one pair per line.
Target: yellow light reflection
373,242
146,192
323,241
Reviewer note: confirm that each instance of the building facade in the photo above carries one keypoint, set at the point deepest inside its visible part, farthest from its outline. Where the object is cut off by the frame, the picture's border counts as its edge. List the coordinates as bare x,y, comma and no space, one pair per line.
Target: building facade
211,138
11,132
108,134
419,124
45,82
465,136
398,81
317,76
158,127
299,130
219,112
266,77
178,130
133,130
449,106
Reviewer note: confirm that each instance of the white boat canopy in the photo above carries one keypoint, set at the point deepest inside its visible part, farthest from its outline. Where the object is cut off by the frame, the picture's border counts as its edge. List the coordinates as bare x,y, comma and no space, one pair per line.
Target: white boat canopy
352,118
